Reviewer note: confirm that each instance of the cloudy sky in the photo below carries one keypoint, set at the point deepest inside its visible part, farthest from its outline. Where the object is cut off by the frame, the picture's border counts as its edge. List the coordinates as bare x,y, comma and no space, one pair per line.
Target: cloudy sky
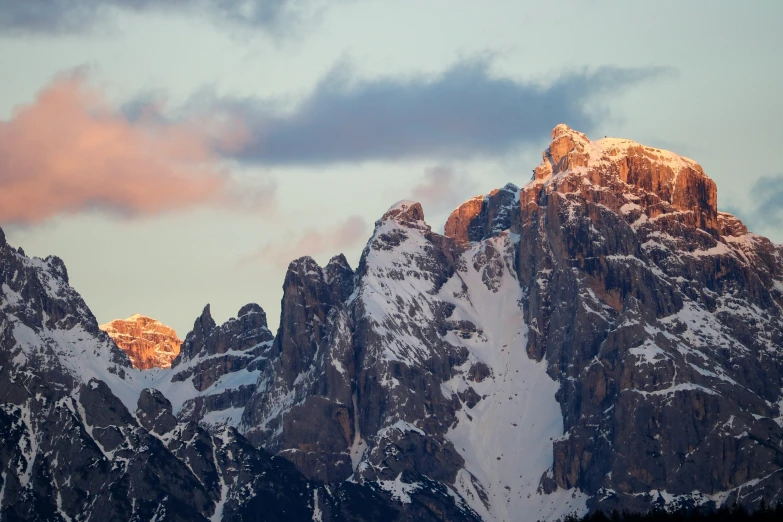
181,152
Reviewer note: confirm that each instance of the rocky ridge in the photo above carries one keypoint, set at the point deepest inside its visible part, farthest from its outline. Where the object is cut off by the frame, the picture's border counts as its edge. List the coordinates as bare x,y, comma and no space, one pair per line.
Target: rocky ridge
649,319
147,342
602,337
85,436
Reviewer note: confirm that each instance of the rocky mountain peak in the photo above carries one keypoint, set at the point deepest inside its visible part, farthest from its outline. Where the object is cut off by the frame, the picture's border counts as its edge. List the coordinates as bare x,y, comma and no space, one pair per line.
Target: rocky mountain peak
2,238
340,277
252,308
564,141
482,217
202,326
147,342
307,299
587,342
660,181
305,267
407,213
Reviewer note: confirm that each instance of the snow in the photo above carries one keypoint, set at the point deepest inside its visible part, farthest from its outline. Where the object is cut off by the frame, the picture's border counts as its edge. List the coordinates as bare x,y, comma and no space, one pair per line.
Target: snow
2,488
682,387
359,445
398,489
227,417
673,501
603,153
518,418
401,426
506,439
217,516
403,204
317,515
779,418
87,357
82,355
376,295
648,353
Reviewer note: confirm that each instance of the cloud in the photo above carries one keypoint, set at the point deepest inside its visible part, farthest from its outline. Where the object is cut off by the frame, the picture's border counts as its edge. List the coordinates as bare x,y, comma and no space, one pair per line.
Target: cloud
767,194
49,17
311,242
441,188
70,152
463,112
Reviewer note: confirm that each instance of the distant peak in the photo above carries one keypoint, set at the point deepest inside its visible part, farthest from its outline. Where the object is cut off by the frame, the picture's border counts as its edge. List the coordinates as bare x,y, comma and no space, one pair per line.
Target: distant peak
253,309
305,263
135,318
250,308
339,260
405,211
205,320
147,342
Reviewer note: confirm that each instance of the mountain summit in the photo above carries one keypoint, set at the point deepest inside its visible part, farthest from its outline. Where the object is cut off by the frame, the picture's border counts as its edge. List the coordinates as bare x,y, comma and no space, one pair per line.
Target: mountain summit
147,342
601,337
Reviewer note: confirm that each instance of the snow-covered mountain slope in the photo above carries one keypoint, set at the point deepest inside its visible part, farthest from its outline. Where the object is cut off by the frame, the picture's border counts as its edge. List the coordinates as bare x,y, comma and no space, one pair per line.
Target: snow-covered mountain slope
667,337
506,436
419,377
642,328
84,436
147,342
601,337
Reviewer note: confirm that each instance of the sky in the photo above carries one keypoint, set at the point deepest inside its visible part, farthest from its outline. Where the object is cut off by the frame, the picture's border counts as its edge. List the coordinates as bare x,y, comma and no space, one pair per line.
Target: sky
176,153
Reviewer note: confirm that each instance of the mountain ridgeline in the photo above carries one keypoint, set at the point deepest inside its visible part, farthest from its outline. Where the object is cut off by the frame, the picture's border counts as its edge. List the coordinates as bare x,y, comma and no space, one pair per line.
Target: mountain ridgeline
601,338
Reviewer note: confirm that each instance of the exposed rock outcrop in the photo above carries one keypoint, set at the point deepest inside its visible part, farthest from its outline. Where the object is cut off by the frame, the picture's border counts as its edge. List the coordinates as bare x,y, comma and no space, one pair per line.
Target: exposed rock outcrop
605,317
71,450
483,217
601,338
220,364
147,342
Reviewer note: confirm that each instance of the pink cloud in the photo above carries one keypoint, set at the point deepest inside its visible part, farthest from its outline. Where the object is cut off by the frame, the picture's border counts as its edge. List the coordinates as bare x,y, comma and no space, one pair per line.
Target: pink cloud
441,189
70,151
313,243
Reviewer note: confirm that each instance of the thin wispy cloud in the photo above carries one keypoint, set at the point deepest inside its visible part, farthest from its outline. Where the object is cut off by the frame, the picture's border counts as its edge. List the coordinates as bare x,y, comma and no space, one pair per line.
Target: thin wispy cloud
768,194
465,111
312,242
441,188
71,152
766,213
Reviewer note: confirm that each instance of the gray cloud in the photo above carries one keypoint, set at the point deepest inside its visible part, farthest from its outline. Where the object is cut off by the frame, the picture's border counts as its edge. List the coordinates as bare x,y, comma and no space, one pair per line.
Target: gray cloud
463,112
78,16
767,194
765,214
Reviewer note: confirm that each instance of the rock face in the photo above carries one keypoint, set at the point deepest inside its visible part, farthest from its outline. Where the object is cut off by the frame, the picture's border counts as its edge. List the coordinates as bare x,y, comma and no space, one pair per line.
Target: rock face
484,216
70,448
661,319
216,371
147,342
602,337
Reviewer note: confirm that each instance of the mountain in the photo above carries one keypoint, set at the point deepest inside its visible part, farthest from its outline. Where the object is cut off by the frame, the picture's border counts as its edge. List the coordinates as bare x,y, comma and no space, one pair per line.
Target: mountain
602,337
85,437
147,342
